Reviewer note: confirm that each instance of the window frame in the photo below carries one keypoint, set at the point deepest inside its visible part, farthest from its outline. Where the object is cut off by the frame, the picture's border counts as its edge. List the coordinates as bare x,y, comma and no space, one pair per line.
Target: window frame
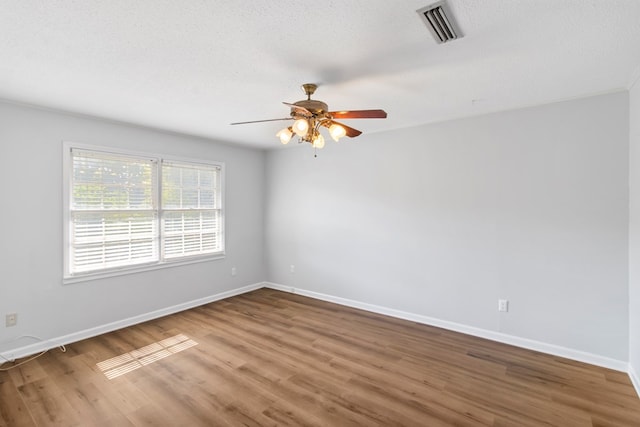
67,171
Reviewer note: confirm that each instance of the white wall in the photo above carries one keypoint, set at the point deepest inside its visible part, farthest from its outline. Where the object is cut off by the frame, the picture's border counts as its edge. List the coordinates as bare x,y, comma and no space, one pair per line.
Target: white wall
634,234
31,227
444,219
439,220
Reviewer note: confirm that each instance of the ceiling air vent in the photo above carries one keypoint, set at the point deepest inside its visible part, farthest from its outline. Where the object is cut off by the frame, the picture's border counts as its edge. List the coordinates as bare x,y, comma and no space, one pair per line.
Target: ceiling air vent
441,26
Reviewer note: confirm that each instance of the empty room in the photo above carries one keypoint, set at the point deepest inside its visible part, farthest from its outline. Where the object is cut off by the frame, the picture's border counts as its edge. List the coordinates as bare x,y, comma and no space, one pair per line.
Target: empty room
344,213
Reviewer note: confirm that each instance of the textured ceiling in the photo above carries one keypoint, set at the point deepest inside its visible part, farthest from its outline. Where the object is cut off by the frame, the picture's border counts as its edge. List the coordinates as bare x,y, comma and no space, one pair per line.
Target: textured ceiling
196,66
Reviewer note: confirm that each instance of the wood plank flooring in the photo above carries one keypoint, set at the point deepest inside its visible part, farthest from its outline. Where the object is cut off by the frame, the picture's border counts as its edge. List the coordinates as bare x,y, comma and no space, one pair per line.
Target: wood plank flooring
269,358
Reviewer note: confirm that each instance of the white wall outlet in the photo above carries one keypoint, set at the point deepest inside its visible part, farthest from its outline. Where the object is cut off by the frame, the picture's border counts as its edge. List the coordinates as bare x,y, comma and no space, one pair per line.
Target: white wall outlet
234,271
292,268
11,319
503,305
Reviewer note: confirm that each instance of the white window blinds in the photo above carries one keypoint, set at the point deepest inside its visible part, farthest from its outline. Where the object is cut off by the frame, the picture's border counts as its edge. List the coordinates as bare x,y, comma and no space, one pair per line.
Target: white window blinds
190,209
128,211
113,211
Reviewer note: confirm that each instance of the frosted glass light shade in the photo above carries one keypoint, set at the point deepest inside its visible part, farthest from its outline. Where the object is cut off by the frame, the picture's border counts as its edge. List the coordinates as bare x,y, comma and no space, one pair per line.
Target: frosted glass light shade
337,132
285,135
318,142
301,127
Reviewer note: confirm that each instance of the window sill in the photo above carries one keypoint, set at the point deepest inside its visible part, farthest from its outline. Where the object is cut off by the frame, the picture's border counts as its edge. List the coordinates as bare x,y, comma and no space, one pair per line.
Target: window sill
67,280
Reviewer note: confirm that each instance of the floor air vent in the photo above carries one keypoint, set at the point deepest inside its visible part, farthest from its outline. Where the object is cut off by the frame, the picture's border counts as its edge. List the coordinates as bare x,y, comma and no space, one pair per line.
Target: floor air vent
441,26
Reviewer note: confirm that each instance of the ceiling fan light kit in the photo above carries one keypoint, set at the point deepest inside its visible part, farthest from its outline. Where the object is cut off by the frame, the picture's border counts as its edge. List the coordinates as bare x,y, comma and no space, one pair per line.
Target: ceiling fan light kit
310,115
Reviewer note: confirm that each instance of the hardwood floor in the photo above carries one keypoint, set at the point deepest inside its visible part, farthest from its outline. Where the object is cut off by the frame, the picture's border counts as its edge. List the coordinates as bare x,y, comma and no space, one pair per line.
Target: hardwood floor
269,358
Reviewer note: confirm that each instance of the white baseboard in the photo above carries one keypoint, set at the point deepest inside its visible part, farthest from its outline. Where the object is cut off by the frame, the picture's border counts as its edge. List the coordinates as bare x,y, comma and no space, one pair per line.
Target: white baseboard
543,347
49,344
635,379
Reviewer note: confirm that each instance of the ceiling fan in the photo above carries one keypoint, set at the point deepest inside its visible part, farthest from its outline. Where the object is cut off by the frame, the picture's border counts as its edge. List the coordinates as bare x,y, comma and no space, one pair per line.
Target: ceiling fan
310,115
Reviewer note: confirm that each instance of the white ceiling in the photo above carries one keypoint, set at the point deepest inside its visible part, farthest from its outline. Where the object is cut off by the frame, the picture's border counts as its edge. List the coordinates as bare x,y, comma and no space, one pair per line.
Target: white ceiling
196,66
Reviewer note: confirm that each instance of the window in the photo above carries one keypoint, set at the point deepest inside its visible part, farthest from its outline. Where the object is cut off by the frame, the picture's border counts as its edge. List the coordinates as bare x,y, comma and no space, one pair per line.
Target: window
131,211
190,209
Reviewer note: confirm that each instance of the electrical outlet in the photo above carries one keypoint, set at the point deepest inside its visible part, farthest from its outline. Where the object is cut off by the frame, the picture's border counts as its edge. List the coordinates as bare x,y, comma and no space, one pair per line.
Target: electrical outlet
292,268
234,271
11,319
503,305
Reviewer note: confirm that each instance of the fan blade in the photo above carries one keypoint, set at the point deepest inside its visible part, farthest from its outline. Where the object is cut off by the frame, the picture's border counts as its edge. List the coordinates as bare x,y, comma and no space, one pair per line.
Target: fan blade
260,121
359,114
299,109
351,132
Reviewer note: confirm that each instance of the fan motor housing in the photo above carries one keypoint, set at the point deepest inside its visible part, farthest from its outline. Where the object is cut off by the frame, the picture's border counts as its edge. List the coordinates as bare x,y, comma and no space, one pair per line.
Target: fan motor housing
317,108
